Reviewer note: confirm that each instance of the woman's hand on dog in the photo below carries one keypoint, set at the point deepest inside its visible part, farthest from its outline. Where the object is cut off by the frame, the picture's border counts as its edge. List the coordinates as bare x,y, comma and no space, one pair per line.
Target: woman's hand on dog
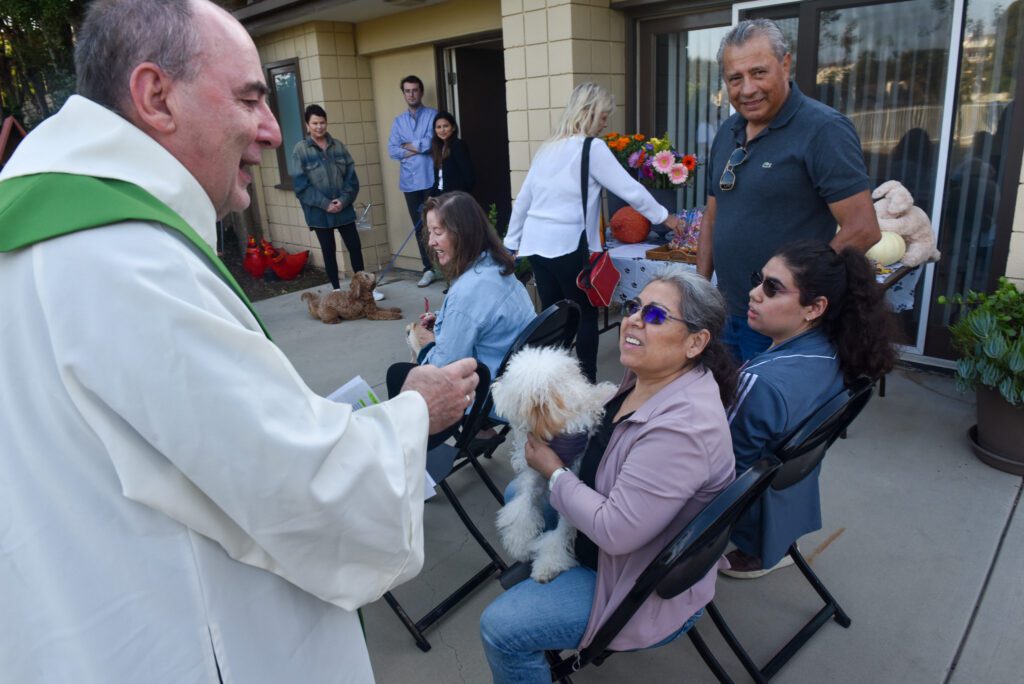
540,457
424,336
427,320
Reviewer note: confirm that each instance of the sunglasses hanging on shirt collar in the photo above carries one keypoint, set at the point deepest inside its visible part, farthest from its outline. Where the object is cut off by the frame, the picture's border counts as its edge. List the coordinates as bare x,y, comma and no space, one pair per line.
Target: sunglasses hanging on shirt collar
728,180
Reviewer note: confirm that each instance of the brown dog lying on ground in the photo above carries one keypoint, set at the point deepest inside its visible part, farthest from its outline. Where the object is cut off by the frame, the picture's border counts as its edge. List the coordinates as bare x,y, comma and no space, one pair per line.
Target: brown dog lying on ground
338,306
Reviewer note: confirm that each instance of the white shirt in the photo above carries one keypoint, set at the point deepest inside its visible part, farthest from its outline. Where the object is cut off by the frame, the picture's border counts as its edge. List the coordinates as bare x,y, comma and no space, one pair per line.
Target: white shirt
174,500
547,217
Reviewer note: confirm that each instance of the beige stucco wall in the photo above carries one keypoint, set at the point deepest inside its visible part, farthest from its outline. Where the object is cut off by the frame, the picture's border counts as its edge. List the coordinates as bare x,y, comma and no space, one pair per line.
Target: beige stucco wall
551,46
336,78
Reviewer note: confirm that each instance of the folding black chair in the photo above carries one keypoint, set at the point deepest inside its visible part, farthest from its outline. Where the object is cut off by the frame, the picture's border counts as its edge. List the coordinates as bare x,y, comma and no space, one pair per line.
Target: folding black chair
555,326
801,453
684,561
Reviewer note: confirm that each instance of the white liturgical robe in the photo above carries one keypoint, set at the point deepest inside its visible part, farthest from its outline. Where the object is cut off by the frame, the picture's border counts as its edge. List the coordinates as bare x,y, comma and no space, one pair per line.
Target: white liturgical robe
176,505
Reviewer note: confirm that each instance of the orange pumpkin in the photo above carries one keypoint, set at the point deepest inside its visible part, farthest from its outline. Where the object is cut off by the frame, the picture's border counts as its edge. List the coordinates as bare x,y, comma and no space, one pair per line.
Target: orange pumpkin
629,226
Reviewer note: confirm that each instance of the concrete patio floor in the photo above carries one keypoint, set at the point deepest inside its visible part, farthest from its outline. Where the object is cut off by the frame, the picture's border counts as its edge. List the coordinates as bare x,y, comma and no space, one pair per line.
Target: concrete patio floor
922,543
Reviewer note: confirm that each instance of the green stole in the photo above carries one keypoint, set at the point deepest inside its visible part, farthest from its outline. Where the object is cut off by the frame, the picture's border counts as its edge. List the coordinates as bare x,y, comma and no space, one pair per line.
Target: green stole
48,205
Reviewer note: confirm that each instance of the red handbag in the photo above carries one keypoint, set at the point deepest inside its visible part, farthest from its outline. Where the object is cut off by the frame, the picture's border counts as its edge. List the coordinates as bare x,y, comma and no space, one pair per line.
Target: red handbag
599,278
598,281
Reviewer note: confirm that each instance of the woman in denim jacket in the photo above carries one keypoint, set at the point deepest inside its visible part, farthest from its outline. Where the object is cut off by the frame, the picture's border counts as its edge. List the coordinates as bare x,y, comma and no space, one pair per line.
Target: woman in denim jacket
326,185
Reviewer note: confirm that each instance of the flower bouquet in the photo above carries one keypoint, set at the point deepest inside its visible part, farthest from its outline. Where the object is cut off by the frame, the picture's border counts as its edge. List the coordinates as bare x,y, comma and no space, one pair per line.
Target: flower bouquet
653,161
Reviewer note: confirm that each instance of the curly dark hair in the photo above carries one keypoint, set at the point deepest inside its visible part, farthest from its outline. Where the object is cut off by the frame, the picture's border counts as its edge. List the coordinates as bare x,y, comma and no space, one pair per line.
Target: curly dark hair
856,321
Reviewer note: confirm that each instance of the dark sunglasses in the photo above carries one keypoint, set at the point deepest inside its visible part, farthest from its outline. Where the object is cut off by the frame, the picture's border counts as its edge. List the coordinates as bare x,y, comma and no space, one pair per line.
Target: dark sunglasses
771,286
728,179
652,314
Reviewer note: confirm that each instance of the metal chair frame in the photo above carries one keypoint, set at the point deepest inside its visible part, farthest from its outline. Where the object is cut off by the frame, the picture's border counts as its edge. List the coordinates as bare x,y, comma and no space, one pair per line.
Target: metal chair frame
801,453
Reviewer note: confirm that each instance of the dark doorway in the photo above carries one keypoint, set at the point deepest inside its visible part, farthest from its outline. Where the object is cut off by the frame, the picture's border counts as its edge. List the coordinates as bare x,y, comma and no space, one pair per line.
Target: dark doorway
475,89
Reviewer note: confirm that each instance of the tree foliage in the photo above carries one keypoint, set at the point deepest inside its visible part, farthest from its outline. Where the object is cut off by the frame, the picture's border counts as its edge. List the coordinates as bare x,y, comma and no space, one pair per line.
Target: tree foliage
37,70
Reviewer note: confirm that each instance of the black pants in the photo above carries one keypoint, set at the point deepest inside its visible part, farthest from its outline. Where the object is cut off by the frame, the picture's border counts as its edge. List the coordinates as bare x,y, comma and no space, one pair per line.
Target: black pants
350,236
414,201
556,280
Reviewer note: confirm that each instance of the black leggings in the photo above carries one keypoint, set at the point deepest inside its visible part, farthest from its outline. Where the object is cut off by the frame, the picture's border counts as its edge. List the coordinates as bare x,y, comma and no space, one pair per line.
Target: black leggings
414,202
556,280
350,236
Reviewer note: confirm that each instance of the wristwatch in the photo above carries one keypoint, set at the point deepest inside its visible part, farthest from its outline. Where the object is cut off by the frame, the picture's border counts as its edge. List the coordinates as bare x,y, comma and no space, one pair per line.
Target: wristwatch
554,476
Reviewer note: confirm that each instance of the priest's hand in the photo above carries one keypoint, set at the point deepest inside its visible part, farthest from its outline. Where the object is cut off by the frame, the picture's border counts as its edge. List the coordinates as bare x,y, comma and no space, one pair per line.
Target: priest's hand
448,391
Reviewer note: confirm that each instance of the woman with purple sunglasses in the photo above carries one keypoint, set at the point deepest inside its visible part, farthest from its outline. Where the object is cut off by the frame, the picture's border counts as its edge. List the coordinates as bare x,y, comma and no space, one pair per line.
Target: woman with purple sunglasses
660,455
828,324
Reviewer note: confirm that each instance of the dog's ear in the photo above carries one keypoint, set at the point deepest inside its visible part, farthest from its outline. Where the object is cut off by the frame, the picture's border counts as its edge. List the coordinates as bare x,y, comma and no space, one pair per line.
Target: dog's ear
358,286
548,417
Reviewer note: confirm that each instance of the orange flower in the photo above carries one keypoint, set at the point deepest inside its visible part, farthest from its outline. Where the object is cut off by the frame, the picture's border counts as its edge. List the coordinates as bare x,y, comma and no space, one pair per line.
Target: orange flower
639,137
622,144
689,161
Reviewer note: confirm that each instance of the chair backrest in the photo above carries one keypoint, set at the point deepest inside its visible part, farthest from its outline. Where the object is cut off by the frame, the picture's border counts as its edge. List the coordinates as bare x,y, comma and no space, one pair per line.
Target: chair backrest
470,424
555,326
803,450
688,557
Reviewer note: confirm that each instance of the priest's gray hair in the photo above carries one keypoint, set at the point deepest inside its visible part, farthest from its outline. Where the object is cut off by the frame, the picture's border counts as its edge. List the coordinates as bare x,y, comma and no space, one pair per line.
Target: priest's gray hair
748,29
118,35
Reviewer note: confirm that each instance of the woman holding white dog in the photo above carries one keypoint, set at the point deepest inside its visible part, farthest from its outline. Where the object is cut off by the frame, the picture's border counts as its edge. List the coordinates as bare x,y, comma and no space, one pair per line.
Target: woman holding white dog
661,454
547,223
829,325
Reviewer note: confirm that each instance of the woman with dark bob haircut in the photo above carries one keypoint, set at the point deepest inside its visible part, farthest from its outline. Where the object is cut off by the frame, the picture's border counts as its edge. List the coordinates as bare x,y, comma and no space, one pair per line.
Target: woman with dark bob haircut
829,325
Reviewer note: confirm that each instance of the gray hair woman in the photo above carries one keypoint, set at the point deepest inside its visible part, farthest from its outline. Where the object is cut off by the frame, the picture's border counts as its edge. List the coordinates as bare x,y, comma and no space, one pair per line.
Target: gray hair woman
547,219
661,453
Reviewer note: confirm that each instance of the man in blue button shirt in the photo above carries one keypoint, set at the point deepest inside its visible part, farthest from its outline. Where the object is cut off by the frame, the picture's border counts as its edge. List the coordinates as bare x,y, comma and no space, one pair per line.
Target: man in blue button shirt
409,143
784,167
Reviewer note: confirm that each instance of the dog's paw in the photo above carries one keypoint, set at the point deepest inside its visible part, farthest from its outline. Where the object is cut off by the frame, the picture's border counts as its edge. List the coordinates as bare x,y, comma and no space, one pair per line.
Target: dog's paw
551,556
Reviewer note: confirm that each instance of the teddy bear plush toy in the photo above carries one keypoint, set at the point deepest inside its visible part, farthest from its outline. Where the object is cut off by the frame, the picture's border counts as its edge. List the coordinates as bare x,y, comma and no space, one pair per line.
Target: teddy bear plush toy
897,216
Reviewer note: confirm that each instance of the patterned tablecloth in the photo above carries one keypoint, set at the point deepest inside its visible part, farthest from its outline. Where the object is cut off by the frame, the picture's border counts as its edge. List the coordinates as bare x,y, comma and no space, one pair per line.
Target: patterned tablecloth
636,271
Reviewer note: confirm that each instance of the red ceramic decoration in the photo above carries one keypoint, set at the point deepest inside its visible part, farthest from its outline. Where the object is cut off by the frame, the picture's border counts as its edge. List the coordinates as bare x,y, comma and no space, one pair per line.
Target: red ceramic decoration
253,261
629,226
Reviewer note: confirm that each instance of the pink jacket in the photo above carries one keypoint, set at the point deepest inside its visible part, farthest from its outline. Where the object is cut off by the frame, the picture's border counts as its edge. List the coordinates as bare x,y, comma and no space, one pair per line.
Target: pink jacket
663,465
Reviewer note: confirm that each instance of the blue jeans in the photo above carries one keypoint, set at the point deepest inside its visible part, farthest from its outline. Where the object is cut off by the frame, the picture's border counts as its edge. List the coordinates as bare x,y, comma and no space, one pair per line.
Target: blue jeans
740,341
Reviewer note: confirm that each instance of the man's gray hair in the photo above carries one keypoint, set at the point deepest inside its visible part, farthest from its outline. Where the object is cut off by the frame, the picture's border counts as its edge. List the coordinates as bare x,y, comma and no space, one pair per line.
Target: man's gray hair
749,29
118,35
700,302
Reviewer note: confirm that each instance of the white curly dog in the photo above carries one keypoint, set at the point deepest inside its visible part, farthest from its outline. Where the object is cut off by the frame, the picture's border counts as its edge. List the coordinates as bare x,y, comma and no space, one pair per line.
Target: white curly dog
544,392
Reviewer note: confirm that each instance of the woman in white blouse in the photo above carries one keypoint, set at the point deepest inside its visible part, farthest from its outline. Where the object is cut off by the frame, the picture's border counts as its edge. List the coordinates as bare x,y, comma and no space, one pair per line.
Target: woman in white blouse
547,219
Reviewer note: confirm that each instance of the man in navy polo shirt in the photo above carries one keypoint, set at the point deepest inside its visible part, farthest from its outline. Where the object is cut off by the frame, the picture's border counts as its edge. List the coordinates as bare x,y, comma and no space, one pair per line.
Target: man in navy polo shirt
784,167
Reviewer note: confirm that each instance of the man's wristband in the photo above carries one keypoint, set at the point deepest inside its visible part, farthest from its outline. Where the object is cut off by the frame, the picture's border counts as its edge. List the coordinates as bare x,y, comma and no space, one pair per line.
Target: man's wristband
554,476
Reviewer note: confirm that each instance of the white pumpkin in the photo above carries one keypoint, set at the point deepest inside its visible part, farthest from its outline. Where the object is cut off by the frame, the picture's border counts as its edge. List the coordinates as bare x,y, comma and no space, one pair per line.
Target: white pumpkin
889,249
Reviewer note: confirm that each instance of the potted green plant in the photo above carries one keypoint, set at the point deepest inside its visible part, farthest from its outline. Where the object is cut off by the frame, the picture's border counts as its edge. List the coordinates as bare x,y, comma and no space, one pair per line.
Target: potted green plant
990,338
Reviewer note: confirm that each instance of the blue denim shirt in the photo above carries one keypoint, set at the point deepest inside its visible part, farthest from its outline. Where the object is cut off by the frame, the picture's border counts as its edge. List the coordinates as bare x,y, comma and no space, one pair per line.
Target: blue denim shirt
482,315
325,175
417,171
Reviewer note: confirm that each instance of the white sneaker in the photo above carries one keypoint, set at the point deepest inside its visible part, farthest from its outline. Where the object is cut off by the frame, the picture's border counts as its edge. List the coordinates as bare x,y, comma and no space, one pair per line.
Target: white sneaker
428,277
378,295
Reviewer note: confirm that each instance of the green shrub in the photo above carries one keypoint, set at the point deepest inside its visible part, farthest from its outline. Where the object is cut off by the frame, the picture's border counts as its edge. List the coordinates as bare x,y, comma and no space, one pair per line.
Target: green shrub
990,339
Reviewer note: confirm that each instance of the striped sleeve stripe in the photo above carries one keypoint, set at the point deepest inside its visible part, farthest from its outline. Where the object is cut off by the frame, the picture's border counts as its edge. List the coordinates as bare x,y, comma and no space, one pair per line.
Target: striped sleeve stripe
746,382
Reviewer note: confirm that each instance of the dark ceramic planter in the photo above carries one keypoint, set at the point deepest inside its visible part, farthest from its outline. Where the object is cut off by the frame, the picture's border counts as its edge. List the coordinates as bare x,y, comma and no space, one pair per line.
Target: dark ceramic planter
998,438
665,197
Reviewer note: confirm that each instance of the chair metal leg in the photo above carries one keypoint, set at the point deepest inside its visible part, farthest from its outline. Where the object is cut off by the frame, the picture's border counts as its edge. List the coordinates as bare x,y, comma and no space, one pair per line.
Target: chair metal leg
830,610
708,657
734,644
495,492
498,562
881,386
417,634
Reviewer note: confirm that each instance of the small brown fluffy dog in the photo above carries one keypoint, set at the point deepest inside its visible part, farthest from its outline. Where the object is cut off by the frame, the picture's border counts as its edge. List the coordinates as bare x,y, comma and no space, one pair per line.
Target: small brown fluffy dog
338,306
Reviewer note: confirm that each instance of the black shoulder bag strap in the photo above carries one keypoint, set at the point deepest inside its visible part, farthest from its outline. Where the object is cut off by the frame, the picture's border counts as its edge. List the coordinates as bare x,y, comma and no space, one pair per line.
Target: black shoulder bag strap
585,178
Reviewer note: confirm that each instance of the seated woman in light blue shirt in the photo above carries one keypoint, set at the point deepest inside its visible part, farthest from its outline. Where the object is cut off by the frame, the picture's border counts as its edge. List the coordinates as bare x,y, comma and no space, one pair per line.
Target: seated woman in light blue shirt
486,306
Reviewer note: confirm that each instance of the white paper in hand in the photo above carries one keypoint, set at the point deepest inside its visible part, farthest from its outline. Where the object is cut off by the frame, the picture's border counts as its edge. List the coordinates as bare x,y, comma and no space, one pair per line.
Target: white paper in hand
358,394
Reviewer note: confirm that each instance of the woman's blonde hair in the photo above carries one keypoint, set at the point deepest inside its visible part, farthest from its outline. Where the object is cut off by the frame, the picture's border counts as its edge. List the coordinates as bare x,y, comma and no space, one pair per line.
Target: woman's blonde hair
582,115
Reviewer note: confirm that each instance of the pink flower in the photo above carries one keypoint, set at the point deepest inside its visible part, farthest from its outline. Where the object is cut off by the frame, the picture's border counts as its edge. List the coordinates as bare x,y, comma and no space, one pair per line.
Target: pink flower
678,174
663,161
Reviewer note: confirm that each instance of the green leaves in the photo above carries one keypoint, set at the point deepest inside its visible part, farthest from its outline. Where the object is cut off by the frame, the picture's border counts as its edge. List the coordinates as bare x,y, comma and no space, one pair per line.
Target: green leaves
990,337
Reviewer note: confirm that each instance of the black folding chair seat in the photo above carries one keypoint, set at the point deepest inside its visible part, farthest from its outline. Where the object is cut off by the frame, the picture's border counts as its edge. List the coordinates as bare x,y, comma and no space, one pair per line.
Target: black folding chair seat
800,454
683,562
